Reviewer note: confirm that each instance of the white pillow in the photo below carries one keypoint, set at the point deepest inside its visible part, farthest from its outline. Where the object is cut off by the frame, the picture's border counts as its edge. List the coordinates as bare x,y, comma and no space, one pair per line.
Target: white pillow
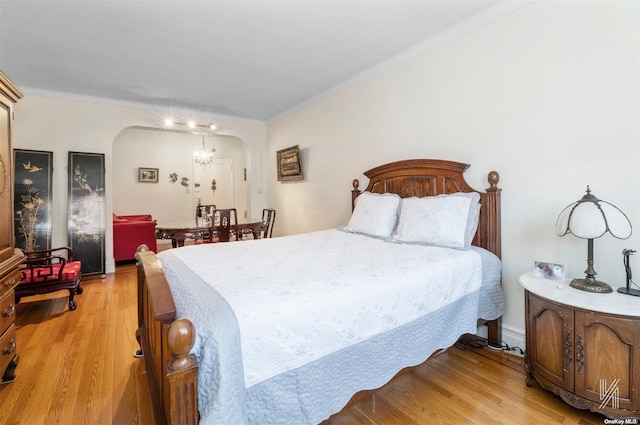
374,215
448,221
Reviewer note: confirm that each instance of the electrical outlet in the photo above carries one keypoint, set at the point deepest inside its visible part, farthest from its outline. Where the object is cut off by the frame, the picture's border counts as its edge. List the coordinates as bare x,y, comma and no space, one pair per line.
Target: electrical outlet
514,352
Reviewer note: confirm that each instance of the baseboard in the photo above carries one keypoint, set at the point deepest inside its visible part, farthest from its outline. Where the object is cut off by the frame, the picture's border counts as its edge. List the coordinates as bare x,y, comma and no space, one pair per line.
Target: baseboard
513,336
110,266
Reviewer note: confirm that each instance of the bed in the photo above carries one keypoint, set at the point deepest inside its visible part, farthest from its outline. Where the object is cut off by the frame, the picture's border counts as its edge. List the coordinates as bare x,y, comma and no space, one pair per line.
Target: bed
287,330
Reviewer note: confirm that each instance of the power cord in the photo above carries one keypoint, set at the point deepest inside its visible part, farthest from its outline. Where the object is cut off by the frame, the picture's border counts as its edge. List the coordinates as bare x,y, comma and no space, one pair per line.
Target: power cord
470,343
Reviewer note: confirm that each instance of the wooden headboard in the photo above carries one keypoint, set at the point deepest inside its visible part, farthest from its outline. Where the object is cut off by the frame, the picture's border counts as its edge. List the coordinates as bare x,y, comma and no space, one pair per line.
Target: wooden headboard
430,177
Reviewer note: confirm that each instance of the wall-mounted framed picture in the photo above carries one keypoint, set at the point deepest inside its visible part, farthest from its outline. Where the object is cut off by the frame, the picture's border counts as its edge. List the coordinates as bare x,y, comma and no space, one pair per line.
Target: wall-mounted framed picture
147,175
289,164
86,210
32,199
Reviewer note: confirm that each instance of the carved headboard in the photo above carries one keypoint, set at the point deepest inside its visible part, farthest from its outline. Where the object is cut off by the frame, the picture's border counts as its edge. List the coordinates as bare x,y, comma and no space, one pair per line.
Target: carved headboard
430,177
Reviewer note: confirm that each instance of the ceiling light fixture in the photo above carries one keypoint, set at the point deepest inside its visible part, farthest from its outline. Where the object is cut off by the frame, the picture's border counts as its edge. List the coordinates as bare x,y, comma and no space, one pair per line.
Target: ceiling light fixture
204,157
171,123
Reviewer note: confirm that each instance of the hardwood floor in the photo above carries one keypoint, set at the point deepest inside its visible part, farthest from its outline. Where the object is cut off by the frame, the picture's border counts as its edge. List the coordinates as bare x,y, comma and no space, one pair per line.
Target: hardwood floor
77,368
464,386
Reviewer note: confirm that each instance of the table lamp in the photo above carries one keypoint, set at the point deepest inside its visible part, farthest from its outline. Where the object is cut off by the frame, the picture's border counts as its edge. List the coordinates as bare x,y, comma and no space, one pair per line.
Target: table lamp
590,218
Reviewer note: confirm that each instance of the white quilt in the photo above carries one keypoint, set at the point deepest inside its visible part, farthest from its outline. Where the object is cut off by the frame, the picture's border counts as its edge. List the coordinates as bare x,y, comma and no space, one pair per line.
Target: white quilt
322,292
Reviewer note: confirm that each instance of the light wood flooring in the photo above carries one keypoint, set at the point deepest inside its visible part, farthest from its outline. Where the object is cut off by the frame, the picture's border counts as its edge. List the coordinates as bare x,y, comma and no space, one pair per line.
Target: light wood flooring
77,368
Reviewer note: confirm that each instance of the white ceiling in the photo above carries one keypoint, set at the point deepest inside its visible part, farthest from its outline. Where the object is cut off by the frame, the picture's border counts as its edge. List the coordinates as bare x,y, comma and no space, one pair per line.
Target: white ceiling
254,60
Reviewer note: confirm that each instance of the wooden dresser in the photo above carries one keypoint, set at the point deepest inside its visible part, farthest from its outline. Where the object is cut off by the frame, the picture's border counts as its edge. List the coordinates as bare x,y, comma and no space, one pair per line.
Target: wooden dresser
9,260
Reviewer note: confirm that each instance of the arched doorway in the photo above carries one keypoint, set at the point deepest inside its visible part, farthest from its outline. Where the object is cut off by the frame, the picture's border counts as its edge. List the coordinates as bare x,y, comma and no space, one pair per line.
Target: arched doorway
174,196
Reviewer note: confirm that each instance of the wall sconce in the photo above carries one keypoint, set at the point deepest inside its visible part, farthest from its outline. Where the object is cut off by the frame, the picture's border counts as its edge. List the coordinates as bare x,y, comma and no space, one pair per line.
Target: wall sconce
213,185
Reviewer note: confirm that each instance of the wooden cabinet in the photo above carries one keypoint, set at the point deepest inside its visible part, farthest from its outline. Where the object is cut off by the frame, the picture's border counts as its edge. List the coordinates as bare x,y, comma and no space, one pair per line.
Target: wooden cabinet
589,358
9,260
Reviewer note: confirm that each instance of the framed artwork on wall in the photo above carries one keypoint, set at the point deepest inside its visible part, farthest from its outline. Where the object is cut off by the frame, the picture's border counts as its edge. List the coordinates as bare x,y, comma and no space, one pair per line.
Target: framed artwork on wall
86,210
32,199
147,175
289,164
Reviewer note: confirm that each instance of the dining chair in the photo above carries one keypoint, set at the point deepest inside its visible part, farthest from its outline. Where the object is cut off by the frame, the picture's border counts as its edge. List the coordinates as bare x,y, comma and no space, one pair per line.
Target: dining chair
203,212
224,226
268,217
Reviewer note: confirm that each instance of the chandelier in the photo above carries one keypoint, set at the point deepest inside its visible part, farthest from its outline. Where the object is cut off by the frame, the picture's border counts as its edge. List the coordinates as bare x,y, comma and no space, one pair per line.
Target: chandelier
204,157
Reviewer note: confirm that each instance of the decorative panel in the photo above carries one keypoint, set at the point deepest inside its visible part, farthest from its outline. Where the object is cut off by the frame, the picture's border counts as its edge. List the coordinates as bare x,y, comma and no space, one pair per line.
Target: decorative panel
86,210
32,199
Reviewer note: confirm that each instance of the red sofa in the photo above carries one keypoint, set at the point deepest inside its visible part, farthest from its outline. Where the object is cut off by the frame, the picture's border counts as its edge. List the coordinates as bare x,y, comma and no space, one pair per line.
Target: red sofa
129,232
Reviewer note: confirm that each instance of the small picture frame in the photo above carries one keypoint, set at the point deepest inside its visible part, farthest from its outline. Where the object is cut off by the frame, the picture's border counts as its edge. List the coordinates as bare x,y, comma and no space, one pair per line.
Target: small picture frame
289,164
147,175
550,271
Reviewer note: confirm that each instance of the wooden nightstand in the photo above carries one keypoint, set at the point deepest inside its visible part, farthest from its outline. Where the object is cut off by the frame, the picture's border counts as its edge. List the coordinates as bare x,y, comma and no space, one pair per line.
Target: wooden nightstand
584,347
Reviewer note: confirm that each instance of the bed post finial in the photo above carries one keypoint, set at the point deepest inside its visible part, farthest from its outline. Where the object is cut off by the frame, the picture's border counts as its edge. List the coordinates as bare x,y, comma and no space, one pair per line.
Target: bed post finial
180,338
354,193
493,179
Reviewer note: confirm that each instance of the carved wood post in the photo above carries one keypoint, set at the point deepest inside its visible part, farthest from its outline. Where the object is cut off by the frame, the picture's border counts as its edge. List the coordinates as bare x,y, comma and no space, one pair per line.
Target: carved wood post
354,193
494,244
182,374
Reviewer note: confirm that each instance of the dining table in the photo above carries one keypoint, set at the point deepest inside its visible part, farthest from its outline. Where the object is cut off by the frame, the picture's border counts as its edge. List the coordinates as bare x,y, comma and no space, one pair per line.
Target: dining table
178,232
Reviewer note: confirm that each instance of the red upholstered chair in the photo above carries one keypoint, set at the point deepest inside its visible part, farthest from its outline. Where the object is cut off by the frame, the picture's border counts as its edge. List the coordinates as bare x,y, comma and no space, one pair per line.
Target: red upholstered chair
225,226
131,231
50,270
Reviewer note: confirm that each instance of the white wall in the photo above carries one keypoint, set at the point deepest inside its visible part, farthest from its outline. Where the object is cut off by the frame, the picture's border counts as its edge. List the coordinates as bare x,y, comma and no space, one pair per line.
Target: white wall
60,125
170,153
548,96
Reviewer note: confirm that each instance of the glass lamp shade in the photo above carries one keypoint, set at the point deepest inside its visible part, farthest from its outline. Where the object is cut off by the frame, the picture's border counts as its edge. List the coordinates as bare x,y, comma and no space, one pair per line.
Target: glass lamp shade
590,218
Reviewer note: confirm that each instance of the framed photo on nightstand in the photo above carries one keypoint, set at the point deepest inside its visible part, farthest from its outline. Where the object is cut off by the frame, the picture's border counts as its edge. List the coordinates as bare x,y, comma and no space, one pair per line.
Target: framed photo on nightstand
548,270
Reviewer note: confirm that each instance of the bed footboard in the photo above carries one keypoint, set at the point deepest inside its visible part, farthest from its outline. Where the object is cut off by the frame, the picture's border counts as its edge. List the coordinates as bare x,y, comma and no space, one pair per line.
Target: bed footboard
165,343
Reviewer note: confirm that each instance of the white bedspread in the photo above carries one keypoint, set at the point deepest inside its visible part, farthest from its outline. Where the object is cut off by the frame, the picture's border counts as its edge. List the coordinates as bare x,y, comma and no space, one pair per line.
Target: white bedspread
325,291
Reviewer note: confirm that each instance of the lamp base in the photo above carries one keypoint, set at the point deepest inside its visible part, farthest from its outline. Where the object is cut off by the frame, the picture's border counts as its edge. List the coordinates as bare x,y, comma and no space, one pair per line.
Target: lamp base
589,284
629,291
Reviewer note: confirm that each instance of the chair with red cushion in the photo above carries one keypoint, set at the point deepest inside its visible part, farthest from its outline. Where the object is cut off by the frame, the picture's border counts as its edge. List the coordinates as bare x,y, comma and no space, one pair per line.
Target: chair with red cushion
50,270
